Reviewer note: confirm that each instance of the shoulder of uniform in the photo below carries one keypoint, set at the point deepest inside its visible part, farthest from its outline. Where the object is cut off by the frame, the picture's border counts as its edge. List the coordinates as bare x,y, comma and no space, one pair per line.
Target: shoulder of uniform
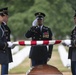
2,23
45,27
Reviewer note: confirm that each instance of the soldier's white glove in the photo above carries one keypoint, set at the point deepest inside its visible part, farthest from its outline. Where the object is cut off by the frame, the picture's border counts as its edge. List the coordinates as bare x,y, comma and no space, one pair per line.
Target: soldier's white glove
11,45
34,23
67,43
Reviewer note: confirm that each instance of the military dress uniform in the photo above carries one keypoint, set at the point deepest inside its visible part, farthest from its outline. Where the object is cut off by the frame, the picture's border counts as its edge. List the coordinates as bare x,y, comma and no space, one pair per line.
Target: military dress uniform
72,52
5,52
40,53
72,49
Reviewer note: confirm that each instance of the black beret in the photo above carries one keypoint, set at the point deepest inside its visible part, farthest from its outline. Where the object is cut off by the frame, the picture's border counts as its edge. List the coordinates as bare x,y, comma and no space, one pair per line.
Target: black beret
39,14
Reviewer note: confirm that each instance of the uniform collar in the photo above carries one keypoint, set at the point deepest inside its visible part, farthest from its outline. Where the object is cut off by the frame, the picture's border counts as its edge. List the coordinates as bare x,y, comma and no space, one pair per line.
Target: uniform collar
40,26
4,23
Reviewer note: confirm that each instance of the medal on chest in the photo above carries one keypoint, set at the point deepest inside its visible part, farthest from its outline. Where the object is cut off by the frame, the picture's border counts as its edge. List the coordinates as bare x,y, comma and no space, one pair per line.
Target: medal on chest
46,34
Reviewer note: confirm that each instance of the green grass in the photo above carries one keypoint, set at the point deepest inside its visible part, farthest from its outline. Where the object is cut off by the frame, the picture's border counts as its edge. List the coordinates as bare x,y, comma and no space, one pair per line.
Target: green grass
55,61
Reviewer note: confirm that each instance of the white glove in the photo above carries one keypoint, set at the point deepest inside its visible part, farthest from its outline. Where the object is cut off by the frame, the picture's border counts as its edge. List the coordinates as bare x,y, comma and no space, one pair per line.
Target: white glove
34,23
11,45
66,43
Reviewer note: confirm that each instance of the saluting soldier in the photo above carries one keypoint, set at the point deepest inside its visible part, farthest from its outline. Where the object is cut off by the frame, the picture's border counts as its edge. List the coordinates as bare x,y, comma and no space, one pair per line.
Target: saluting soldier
5,48
39,54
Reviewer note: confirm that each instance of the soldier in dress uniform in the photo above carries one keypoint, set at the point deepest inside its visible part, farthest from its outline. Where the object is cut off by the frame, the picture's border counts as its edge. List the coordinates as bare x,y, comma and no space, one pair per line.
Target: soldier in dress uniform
40,54
5,48
72,49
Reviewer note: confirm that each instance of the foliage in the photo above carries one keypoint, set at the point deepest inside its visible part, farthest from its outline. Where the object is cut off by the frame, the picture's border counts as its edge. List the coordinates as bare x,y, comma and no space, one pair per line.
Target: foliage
73,3
59,16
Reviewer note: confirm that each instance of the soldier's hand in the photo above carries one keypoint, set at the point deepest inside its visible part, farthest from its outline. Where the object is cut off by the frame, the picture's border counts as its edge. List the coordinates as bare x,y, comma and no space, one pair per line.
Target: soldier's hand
34,23
66,43
33,29
11,45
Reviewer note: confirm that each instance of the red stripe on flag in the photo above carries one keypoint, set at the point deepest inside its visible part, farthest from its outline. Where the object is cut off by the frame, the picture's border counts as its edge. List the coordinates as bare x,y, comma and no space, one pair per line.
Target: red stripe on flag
45,42
57,41
33,42
21,43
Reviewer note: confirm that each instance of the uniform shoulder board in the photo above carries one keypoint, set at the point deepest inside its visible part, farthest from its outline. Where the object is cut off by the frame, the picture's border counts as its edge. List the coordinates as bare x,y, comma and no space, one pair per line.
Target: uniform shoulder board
45,27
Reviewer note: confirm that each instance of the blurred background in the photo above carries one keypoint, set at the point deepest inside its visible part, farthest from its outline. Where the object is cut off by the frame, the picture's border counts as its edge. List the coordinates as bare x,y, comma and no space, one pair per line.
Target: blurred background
59,17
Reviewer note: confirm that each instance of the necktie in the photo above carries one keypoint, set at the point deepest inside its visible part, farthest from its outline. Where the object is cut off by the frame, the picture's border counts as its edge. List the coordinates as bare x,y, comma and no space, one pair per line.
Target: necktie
40,28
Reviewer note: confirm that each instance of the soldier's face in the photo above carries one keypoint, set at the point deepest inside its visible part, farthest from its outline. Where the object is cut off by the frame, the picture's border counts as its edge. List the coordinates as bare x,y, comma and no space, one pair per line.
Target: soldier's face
1,19
40,21
75,20
5,18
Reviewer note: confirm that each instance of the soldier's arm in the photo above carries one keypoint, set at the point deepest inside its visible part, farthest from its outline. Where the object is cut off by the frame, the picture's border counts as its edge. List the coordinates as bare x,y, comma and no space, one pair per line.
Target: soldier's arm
50,48
30,32
3,44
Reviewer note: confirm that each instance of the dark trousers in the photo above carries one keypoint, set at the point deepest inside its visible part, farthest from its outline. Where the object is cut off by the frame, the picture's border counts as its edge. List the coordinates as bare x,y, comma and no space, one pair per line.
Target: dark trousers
38,62
4,69
73,67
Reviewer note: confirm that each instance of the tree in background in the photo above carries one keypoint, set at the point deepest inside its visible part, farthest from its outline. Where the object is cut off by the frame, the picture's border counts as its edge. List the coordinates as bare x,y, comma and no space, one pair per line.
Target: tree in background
59,15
